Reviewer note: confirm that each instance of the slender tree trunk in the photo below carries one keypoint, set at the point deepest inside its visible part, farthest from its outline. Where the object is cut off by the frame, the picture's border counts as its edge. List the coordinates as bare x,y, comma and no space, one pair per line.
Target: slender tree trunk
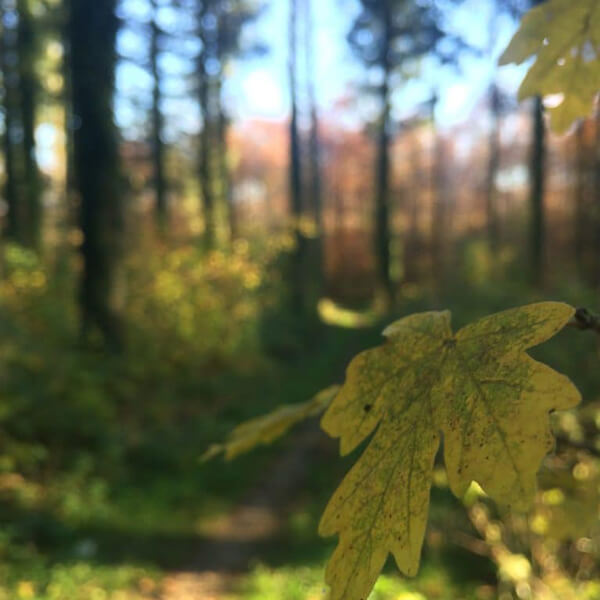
295,170
9,81
206,181
537,172
314,141
70,121
411,246
580,169
92,32
438,207
13,228
314,156
537,175
494,149
206,136
596,209
160,184
28,98
315,170
339,205
491,192
382,171
224,174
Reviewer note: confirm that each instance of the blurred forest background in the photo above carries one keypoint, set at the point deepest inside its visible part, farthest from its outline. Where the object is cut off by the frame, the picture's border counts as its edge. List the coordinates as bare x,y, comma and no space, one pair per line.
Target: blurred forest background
208,207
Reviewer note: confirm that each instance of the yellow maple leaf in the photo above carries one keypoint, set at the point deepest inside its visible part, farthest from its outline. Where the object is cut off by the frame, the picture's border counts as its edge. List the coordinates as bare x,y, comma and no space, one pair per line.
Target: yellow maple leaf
564,35
476,388
267,428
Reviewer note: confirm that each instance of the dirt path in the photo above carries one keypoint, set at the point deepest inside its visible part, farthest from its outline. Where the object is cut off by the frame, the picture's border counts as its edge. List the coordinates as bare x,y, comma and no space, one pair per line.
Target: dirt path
234,540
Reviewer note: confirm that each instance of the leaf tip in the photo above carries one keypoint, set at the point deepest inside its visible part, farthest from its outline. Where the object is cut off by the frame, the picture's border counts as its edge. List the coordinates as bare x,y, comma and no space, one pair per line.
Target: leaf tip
563,310
505,58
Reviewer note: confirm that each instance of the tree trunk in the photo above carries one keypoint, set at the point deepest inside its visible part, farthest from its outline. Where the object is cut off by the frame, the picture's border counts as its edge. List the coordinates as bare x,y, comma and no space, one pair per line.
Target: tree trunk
70,121
224,174
9,80
580,169
206,136
160,185
438,205
412,242
382,171
28,97
295,172
92,32
537,175
491,192
206,181
596,209
314,156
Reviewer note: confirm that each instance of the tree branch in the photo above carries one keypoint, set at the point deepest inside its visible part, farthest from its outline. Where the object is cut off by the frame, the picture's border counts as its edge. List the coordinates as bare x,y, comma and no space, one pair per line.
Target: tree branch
584,319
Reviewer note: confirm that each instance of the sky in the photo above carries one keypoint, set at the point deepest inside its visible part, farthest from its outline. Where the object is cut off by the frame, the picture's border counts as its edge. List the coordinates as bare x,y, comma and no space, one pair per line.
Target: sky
257,86
263,82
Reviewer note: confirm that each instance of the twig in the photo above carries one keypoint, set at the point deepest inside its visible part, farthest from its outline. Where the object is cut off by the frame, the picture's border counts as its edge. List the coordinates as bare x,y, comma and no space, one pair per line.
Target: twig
499,552
468,542
584,319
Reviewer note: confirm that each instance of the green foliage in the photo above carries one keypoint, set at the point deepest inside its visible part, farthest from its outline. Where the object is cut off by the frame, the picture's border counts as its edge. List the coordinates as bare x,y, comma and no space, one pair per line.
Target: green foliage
88,439
306,583
564,36
98,452
80,581
178,293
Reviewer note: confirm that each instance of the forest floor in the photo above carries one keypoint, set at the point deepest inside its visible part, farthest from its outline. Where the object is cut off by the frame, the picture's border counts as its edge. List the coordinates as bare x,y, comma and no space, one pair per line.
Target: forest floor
131,514
235,539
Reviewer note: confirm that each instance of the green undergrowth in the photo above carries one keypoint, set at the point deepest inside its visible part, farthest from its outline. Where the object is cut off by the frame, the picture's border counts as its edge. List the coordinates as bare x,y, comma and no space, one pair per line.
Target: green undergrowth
306,583
101,488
